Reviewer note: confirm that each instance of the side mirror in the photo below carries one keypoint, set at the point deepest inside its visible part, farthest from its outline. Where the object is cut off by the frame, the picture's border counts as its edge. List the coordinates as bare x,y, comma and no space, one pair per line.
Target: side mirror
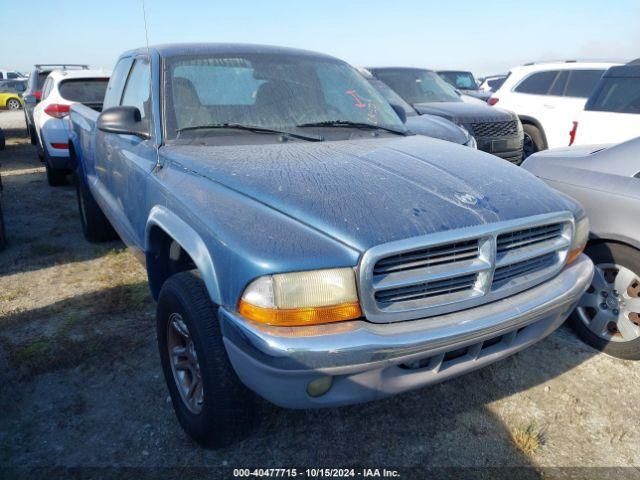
400,112
124,120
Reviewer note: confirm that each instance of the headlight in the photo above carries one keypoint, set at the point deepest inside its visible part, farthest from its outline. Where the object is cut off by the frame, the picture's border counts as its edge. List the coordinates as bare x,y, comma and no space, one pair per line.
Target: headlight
302,298
470,140
580,238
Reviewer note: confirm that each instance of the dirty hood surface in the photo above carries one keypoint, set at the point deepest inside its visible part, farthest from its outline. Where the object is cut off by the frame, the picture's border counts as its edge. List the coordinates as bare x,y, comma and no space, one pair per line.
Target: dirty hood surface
371,191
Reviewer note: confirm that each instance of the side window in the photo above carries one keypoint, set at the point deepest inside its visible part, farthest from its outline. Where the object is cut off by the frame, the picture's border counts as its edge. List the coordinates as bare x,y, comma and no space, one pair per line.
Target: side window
537,83
582,82
1,76
46,89
12,75
137,92
116,83
559,84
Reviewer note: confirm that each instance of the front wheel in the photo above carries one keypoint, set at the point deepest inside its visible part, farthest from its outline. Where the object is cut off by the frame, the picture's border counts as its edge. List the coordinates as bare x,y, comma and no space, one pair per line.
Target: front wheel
533,140
211,403
608,315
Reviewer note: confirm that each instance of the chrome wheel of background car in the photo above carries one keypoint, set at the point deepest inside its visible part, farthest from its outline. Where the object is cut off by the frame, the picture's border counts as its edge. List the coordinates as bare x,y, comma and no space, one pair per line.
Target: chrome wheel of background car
13,104
184,363
611,306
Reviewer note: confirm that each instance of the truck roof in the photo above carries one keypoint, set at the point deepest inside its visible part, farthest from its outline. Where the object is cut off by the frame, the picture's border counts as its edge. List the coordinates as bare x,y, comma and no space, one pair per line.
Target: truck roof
177,49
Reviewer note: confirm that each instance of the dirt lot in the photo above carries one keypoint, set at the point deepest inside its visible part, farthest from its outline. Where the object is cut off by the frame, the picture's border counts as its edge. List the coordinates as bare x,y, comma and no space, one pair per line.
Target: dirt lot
81,385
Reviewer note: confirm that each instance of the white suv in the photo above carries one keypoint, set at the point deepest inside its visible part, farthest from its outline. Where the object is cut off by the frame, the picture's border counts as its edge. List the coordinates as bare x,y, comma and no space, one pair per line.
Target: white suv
61,89
547,97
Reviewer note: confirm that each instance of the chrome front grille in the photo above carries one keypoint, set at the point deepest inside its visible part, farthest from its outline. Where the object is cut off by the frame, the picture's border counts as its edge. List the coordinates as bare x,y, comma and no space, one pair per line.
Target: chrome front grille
450,271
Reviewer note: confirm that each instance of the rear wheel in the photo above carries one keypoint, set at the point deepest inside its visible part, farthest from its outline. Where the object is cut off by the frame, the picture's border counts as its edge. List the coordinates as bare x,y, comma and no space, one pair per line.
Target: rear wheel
211,403
533,140
13,104
95,226
608,315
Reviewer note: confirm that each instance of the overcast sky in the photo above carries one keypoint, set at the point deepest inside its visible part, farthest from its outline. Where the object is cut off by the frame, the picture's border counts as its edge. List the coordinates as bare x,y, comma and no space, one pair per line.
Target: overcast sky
484,36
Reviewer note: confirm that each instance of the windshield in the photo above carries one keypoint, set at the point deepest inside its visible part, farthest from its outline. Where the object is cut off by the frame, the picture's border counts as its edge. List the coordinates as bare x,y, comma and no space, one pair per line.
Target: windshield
392,97
461,80
269,91
418,86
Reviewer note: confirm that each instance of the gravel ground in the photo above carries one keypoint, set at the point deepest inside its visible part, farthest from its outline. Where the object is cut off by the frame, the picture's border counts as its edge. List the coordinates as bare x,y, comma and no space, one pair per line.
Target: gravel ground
81,385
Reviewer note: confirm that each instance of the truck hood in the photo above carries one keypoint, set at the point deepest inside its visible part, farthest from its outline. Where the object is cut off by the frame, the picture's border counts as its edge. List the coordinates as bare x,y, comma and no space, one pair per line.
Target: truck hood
371,191
436,127
461,112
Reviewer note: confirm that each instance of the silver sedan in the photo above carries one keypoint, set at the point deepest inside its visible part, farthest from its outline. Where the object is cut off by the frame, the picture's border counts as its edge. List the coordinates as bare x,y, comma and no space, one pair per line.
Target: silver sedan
606,180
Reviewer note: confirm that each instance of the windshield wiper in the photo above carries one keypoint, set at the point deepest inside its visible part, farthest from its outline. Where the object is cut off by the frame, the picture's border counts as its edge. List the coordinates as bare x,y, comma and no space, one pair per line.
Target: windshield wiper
347,123
251,128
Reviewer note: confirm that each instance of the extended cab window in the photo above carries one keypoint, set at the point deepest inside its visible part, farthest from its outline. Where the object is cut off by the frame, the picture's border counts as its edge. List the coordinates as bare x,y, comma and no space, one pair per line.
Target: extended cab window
582,82
137,92
537,83
621,95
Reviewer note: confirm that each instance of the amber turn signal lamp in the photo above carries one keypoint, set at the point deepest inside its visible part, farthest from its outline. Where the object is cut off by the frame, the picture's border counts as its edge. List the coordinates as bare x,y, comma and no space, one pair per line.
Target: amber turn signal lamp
295,317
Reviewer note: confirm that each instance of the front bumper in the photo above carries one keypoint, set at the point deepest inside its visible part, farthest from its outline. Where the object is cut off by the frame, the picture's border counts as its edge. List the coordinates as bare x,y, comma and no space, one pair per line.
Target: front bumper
370,361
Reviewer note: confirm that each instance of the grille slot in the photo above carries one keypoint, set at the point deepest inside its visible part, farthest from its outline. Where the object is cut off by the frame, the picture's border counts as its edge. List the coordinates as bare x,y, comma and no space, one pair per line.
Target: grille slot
428,257
506,273
428,289
495,129
526,237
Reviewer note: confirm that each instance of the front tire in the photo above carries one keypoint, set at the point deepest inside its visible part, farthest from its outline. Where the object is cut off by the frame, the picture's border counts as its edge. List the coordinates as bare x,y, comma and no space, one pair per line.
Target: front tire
608,315
533,140
211,403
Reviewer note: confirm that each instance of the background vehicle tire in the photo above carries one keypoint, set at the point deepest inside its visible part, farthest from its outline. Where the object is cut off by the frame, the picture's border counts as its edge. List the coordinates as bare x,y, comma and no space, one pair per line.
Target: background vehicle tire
55,178
13,104
608,315
533,140
2,140
32,135
220,408
95,226
3,238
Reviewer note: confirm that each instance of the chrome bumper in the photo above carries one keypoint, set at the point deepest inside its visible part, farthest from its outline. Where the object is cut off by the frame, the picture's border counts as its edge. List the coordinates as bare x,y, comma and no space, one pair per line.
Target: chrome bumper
370,360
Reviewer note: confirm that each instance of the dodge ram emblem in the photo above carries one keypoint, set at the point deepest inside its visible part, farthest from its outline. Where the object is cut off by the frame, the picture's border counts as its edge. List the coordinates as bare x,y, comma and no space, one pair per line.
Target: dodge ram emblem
466,198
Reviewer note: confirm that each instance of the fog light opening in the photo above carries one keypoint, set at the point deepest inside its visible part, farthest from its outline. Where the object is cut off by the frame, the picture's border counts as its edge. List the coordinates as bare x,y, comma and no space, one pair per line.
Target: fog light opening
319,386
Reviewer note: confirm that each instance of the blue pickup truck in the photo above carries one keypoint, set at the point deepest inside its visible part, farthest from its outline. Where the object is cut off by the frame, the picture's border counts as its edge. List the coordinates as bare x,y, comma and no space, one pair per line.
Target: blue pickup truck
301,244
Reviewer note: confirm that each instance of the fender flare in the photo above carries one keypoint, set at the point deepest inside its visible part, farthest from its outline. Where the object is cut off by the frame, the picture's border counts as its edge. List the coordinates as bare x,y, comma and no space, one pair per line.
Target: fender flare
190,241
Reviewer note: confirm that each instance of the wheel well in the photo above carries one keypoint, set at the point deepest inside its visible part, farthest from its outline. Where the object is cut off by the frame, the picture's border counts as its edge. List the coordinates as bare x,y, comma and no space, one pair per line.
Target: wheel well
598,241
165,257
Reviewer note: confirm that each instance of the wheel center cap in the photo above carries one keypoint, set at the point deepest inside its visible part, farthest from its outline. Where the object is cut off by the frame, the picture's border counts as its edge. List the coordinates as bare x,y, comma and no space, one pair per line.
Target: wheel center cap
612,302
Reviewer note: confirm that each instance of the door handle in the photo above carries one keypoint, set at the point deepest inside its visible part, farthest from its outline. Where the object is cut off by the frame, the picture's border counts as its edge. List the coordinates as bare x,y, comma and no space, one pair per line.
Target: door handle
546,105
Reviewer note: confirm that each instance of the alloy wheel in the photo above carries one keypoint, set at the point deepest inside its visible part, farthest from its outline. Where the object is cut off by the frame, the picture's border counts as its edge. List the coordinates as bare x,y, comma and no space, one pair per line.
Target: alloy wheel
611,306
184,363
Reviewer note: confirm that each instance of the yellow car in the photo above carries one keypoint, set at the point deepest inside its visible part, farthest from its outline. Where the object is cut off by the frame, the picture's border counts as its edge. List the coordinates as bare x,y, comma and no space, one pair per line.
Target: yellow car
11,94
